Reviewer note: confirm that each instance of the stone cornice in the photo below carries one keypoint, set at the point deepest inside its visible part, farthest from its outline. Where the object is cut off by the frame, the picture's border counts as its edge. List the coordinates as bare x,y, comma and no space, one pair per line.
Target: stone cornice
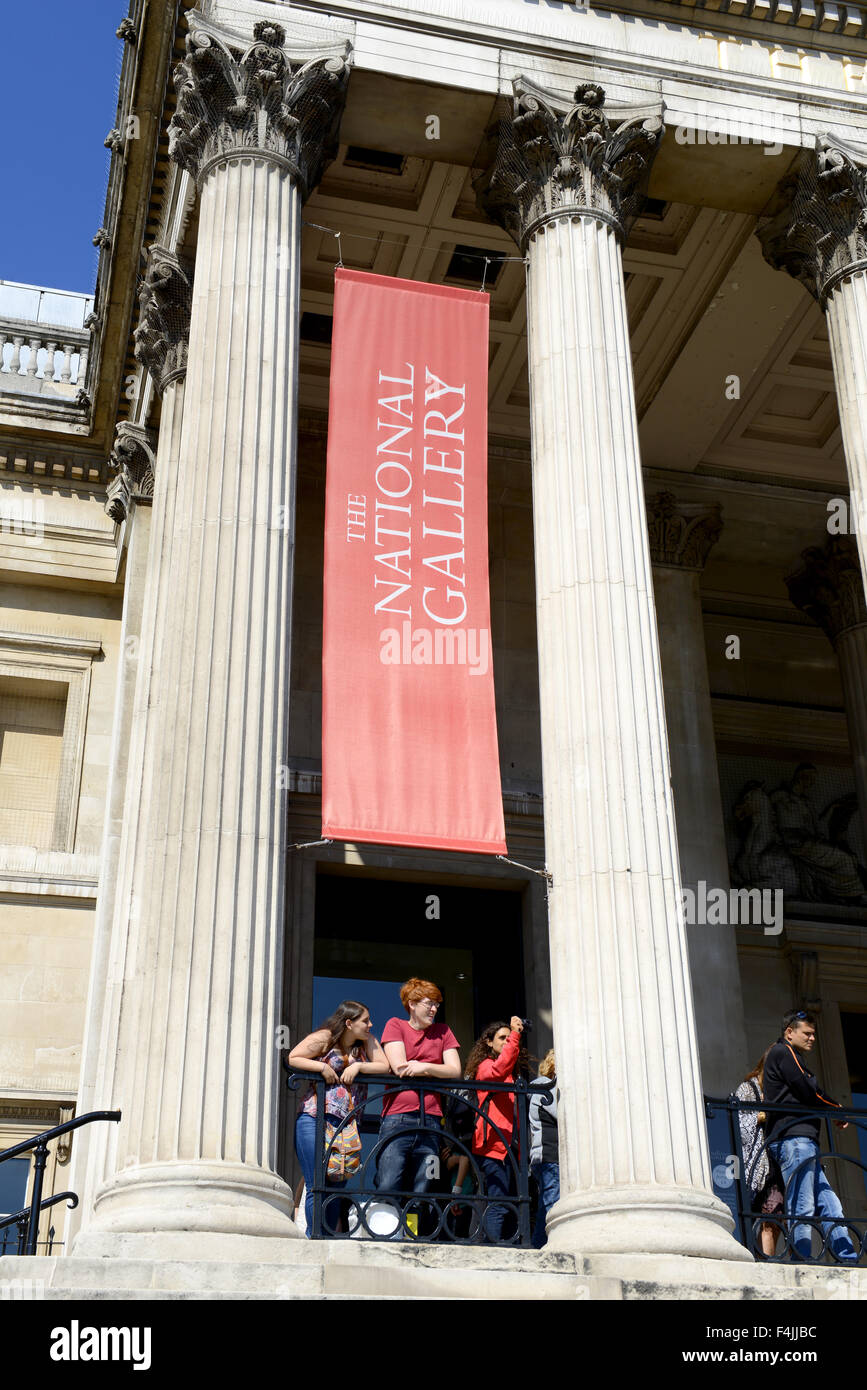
265,100
132,467
820,237
682,534
559,158
828,587
162,335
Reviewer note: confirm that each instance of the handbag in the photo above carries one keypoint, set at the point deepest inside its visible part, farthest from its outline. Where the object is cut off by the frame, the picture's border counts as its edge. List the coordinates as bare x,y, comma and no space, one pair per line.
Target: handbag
344,1157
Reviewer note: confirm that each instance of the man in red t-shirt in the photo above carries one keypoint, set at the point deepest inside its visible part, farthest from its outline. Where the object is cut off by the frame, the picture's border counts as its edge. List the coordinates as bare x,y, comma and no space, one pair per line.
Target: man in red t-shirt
417,1046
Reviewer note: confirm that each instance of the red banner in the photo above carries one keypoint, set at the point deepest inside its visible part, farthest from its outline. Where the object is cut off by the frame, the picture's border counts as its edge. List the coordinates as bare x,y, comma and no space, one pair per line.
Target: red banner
409,734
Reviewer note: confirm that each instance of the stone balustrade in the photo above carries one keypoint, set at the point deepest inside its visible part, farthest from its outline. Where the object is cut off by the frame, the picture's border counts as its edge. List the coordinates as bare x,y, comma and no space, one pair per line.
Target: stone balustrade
46,354
45,338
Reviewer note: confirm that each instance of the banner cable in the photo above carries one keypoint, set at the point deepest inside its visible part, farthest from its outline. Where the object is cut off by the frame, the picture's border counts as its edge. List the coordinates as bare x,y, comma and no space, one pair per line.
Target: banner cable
399,241
543,873
308,844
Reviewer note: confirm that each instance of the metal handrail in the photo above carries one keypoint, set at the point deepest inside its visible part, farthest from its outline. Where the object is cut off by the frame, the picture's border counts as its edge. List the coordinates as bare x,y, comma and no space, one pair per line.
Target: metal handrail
21,1218
39,1144
750,1221
437,1207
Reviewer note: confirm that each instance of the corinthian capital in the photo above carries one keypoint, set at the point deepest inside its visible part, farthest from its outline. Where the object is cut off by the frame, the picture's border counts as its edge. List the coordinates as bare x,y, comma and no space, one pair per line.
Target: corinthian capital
131,465
162,334
556,158
237,99
829,588
820,237
682,534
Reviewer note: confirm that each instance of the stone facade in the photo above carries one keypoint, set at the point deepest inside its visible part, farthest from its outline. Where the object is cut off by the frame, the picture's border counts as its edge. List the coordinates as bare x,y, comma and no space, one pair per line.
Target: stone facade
676,431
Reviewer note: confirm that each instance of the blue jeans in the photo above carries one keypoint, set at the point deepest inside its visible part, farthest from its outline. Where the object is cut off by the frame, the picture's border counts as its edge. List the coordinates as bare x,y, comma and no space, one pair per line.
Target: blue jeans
498,1179
808,1193
417,1138
305,1147
547,1176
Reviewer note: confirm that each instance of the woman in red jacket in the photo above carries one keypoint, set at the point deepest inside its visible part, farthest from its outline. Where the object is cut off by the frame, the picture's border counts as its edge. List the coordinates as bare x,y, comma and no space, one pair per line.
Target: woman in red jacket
495,1058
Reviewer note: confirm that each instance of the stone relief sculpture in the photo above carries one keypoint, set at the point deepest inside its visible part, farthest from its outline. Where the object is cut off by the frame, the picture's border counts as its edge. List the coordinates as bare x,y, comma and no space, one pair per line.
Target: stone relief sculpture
786,844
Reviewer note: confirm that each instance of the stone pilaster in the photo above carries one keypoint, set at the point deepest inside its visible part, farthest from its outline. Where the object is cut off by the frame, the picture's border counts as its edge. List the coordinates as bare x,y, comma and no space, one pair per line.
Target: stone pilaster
681,537
198,974
829,588
820,238
566,178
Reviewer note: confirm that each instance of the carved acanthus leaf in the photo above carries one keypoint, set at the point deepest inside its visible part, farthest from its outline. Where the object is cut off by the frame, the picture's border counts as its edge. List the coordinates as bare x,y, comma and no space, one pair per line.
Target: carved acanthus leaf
162,334
682,533
265,100
131,469
828,586
820,236
556,158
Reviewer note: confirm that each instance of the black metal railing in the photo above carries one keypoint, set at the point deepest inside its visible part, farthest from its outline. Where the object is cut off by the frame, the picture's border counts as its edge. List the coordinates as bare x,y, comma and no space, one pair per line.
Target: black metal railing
361,1207
27,1219
831,1238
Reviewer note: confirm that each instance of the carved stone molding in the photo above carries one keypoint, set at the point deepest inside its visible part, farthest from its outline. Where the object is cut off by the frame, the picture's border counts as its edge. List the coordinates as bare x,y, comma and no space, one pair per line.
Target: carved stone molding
162,335
266,100
682,534
556,158
131,465
828,586
820,237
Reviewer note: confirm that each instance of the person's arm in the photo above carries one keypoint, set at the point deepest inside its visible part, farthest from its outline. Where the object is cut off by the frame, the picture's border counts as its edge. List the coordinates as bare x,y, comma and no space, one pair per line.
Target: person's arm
799,1083
449,1068
306,1054
376,1064
395,1054
500,1068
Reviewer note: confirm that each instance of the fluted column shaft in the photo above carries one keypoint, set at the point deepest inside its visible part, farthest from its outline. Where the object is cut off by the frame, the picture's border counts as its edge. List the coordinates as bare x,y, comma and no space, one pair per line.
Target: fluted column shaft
198,1143
566,179
634,1170
139,692
846,312
852,661
713,955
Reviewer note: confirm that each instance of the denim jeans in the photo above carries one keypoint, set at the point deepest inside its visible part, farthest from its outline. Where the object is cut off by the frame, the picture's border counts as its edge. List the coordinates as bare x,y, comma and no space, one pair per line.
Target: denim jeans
498,1180
808,1193
305,1147
547,1176
412,1141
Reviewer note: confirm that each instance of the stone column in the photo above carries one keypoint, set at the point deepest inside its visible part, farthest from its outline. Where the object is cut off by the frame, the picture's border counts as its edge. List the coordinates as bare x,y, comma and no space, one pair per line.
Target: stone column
197,1074
681,538
161,339
820,238
566,180
829,588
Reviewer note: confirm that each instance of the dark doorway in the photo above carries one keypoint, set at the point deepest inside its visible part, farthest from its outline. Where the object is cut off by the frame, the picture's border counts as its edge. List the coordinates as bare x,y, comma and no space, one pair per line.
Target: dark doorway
467,940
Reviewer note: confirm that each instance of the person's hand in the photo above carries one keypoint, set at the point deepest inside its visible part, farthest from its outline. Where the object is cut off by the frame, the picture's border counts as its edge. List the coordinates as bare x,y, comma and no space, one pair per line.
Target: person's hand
413,1069
516,1024
842,1124
350,1073
330,1074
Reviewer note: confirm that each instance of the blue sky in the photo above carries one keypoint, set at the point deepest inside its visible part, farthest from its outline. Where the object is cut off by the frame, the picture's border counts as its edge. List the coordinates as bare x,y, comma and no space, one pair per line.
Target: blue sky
59,69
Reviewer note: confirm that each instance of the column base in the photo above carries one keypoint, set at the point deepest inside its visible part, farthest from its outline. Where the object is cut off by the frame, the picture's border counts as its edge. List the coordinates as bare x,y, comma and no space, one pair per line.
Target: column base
179,1196
655,1220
